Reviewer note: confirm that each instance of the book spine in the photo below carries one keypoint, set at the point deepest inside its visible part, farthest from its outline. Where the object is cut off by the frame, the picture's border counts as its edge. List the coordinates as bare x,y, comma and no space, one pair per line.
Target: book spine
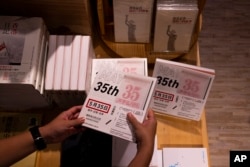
59,62
36,55
42,88
75,62
49,76
40,61
67,62
84,55
91,56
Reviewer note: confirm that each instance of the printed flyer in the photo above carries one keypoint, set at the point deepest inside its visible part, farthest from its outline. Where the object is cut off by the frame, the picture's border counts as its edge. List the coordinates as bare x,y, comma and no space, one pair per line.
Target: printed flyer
114,94
181,89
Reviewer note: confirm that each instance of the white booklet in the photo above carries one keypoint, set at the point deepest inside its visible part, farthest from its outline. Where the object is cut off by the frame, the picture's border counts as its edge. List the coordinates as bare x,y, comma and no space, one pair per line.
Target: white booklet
114,94
181,89
184,157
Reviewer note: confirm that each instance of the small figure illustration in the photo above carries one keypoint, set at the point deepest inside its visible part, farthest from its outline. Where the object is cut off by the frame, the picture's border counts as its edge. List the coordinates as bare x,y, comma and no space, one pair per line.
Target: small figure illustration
171,39
131,29
4,56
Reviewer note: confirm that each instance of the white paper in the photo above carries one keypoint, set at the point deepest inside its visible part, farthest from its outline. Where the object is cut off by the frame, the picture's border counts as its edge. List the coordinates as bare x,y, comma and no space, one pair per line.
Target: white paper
185,157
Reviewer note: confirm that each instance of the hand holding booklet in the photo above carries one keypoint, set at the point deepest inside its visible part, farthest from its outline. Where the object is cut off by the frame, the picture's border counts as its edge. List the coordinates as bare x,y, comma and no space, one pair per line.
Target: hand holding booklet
114,94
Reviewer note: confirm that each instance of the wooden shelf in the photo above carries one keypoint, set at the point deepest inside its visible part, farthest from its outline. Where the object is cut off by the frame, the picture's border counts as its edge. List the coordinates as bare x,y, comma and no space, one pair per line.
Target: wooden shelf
106,47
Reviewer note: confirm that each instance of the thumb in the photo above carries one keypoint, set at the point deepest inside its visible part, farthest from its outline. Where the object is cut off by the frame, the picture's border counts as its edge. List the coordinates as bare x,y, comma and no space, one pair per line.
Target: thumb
76,122
131,118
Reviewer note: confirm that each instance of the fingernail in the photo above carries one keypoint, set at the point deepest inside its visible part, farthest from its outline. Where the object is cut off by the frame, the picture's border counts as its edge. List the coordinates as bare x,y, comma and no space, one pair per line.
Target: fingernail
130,114
82,119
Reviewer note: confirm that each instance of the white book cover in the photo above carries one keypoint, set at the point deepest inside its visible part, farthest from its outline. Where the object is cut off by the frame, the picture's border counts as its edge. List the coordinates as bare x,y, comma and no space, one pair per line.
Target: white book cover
182,89
174,26
75,62
67,62
124,151
114,94
49,76
185,157
129,65
59,62
20,40
132,20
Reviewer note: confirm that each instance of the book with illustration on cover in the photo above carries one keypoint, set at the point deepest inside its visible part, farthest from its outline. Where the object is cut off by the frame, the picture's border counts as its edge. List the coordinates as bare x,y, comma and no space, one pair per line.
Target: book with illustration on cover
21,38
132,20
174,25
112,95
182,89
22,41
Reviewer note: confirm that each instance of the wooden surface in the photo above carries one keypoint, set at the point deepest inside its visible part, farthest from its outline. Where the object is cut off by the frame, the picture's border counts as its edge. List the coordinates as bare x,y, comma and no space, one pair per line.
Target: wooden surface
224,46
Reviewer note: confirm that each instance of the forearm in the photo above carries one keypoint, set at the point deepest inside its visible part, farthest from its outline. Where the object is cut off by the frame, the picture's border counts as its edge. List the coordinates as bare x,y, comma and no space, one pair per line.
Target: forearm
142,158
16,148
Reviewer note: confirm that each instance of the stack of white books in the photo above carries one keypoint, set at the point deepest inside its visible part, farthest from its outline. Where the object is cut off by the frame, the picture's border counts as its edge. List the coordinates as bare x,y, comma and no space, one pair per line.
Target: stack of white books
23,44
68,69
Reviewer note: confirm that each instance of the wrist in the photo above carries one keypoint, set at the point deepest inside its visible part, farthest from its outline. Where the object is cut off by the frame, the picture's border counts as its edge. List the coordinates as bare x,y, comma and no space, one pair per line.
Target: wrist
39,141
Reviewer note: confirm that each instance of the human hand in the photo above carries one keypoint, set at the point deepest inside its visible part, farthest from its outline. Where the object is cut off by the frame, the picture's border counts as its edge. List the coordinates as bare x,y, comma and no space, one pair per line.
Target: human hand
144,132
64,125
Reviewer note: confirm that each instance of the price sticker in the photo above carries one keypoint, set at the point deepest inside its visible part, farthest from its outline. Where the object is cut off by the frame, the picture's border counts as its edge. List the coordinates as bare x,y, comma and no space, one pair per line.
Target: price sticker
194,84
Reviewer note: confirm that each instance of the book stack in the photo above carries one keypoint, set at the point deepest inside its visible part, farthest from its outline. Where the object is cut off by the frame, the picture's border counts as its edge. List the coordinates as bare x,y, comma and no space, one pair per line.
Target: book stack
23,44
174,25
68,69
182,89
112,95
